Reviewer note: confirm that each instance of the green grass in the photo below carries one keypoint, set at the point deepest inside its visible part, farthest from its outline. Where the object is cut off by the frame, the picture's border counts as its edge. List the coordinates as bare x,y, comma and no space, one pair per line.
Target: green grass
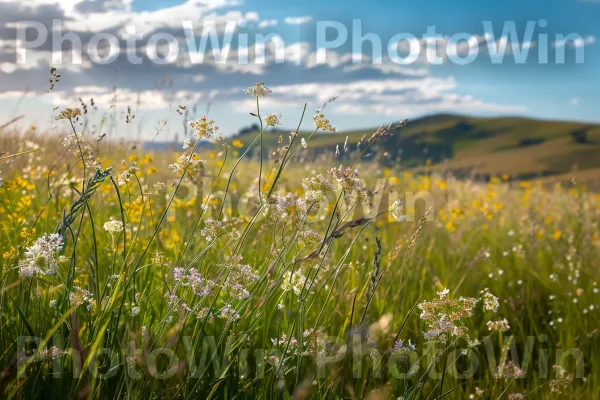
133,328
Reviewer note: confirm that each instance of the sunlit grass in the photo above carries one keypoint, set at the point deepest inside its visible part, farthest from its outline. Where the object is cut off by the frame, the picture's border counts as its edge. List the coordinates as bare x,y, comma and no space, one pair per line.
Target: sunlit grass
222,274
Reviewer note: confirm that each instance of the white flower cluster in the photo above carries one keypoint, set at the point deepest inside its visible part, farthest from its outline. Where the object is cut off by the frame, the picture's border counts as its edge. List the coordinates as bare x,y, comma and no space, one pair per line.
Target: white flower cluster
295,281
205,128
272,119
79,297
214,229
239,278
193,279
113,226
348,181
323,123
72,139
258,90
490,302
42,256
316,190
500,325
397,209
124,177
446,316
186,163
50,354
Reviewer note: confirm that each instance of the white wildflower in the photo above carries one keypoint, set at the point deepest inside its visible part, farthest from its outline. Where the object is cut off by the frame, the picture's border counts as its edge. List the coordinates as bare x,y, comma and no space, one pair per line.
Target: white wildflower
500,325
258,90
272,119
396,210
323,123
189,164
293,281
124,177
72,139
204,127
41,257
490,302
113,226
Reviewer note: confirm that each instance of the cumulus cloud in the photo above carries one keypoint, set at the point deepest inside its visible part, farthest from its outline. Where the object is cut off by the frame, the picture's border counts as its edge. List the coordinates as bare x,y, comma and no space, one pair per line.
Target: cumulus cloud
298,20
292,70
267,23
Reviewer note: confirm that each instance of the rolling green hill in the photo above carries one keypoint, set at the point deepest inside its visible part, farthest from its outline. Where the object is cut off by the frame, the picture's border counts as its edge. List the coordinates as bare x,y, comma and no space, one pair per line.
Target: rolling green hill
519,147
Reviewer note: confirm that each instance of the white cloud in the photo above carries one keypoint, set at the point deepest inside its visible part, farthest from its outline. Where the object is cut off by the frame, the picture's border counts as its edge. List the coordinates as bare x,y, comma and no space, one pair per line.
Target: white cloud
389,97
267,23
298,20
576,42
575,101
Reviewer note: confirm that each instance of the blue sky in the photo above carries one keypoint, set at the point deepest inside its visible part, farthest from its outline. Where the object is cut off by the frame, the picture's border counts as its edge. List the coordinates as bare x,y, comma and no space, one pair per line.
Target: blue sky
368,94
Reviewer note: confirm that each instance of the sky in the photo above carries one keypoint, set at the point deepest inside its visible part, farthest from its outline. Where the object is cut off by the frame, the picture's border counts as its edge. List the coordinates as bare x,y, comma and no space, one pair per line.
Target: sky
434,57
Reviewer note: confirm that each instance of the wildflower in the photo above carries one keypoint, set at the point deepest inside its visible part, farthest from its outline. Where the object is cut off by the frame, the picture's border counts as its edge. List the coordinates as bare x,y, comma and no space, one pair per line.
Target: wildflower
303,143
155,190
69,113
445,316
290,343
562,381
509,371
193,279
272,119
500,325
400,347
41,256
159,259
316,189
214,229
516,396
228,312
204,127
293,281
396,210
72,139
323,123
309,236
135,311
188,164
113,226
239,278
50,354
281,207
187,144
348,181
124,177
490,302
53,303
80,297
478,393
258,90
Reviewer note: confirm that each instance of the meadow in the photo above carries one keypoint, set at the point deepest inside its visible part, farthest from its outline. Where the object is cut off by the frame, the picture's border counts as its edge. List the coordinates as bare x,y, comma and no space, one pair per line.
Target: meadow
248,271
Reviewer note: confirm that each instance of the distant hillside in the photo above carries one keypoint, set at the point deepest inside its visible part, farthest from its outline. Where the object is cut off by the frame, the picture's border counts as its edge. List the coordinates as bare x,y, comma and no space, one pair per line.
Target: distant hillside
520,147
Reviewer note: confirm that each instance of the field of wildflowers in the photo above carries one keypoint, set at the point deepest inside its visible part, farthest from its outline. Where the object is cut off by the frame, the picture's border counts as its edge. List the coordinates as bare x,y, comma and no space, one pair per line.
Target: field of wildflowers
252,274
